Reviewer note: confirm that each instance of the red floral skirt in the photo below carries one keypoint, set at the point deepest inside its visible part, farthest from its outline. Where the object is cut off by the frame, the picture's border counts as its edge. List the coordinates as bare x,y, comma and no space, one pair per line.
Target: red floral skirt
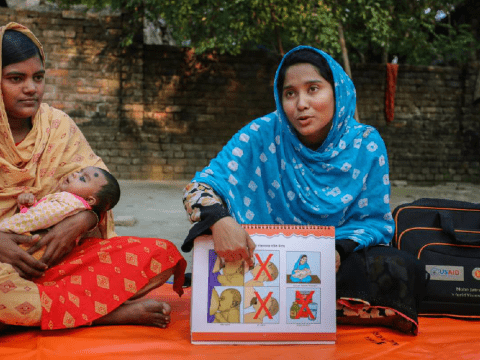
100,275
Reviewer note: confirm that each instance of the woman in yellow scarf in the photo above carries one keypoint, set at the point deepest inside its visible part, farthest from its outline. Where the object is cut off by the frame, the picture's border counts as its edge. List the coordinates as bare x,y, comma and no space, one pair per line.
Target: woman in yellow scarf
39,145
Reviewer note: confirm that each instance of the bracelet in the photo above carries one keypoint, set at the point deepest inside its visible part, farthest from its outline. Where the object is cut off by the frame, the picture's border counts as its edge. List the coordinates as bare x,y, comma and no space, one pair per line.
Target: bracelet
98,220
77,241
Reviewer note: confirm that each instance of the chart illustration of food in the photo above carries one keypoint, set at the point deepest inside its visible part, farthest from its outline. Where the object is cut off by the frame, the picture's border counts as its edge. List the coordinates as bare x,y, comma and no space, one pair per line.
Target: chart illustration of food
287,296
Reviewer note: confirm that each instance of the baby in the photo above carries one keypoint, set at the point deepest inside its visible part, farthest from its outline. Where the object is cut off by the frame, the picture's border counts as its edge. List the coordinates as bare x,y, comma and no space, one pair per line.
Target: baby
259,277
228,306
301,271
258,316
232,272
91,188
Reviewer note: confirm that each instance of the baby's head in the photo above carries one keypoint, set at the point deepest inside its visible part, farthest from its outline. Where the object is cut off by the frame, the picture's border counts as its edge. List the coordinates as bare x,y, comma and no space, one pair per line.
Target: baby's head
97,186
230,298
232,267
272,305
272,270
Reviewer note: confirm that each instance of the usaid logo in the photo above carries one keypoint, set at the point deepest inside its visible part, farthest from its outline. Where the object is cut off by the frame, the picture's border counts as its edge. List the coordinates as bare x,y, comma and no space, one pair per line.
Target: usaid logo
445,273
476,273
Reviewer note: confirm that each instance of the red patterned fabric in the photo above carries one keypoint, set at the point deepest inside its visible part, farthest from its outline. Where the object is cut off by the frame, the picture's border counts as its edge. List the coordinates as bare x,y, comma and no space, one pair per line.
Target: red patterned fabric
100,275
391,88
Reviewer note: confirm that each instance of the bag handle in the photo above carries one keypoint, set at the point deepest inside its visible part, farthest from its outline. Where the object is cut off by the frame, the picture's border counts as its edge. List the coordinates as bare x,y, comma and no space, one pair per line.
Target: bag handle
446,223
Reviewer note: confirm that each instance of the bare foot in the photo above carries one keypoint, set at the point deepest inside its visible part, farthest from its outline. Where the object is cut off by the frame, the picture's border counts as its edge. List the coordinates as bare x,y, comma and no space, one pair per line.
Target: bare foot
147,312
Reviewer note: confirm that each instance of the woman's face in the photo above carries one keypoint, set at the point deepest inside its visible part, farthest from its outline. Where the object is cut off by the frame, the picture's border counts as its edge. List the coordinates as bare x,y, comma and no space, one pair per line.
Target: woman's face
23,86
303,260
309,103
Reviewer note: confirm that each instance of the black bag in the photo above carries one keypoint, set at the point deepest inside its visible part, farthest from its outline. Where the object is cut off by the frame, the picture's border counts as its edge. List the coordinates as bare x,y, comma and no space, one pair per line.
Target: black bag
445,235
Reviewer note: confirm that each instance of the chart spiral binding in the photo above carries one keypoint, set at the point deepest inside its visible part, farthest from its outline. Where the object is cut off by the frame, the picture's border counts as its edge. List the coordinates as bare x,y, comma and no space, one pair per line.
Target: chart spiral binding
284,227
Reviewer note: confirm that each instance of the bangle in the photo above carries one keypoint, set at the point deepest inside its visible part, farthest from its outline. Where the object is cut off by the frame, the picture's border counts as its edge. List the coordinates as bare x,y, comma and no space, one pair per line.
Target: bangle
77,241
98,220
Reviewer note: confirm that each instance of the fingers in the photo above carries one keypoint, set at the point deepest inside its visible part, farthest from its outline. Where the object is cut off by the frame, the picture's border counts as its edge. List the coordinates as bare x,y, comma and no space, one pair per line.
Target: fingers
29,199
50,254
245,254
230,256
36,244
28,272
36,265
26,199
29,267
337,261
33,241
45,240
232,242
20,272
10,253
251,249
24,239
55,252
233,256
38,241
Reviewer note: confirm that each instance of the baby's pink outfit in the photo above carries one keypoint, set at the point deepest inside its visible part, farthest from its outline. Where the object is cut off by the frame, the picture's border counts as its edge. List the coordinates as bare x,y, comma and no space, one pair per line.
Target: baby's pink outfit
48,211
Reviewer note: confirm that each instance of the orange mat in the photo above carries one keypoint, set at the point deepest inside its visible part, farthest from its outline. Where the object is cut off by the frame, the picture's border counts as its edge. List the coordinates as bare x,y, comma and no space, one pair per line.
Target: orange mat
437,339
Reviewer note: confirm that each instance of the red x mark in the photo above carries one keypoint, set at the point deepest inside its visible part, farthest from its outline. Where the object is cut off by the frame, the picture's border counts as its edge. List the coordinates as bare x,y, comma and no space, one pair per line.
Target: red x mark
263,305
304,301
263,267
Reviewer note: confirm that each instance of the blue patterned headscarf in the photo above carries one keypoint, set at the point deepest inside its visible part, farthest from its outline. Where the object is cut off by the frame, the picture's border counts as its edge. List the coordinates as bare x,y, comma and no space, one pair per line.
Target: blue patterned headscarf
266,175
299,266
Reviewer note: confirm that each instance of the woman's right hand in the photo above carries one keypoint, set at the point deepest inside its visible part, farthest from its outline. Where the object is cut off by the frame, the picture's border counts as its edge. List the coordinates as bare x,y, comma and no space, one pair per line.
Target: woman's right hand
231,241
25,264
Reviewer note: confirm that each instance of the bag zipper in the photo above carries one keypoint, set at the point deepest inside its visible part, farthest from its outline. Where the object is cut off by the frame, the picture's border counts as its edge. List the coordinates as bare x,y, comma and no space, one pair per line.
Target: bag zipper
426,208
444,244
437,229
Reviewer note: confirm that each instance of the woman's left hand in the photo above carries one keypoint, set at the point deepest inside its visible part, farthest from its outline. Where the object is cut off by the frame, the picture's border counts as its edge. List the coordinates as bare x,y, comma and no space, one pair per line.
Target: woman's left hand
61,238
337,261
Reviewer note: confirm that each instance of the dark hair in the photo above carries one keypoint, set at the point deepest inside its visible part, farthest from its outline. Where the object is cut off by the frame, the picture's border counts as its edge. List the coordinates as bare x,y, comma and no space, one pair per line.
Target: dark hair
108,195
17,47
309,56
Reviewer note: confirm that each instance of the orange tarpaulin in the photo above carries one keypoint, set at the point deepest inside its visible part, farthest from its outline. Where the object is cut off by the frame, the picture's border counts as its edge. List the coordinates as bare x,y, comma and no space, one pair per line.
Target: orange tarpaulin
437,339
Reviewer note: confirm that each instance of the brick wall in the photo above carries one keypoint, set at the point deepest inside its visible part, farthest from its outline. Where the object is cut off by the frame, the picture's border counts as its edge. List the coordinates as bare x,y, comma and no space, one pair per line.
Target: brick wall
435,136
160,112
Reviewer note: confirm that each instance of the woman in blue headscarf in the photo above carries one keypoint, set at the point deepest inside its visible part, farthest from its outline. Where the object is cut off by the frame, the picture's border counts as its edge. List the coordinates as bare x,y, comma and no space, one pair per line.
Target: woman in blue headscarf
301,270
311,163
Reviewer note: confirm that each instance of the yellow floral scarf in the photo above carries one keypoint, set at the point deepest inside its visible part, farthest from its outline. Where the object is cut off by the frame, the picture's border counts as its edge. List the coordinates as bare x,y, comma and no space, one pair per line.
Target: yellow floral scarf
55,147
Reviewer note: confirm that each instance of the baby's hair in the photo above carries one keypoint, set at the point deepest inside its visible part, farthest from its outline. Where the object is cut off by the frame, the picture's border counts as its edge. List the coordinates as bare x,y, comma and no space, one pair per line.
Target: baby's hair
274,307
236,297
17,47
273,270
108,195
